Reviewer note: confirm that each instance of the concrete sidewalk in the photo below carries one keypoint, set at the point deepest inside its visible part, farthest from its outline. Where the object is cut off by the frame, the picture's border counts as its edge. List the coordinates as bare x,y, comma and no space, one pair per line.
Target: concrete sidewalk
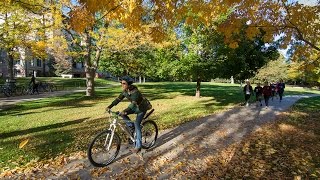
7,102
10,101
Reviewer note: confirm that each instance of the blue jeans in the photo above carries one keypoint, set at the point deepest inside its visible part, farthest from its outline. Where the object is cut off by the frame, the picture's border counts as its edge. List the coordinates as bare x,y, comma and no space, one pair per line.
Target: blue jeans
137,126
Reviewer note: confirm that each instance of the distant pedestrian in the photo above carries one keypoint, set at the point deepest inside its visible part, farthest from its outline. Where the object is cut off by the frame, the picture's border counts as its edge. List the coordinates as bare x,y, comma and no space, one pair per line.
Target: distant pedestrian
280,88
266,90
34,84
247,90
273,86
258,92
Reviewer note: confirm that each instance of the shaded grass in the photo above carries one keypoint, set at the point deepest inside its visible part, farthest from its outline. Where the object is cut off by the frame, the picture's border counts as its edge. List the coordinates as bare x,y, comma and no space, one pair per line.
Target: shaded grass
66,124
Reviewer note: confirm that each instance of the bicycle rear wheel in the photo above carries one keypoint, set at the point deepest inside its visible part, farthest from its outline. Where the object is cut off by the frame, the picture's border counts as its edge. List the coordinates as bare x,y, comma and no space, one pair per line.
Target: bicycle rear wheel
149,131
7,92
98,153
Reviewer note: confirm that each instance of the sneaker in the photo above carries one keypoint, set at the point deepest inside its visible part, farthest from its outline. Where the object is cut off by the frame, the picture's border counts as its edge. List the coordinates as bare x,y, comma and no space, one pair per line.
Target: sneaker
247,104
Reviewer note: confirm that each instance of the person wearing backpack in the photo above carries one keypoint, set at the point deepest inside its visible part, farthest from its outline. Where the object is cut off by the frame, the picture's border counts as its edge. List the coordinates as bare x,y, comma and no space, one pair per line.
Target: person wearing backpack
138,105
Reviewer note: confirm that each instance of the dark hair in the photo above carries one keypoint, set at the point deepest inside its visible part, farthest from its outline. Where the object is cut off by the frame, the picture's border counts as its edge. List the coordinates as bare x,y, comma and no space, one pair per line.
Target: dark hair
127,79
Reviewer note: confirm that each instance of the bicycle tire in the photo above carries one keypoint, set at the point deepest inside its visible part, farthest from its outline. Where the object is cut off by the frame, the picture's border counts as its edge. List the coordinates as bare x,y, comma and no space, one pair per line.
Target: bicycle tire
53,88
7,92
19,90
149,131
101,155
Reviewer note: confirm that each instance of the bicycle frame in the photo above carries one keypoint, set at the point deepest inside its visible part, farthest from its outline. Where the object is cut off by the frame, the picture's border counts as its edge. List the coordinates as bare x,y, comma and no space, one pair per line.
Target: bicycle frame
113,127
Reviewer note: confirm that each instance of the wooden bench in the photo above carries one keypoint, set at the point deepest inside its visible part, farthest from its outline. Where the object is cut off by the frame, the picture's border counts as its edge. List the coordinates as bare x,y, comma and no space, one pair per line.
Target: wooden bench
67,76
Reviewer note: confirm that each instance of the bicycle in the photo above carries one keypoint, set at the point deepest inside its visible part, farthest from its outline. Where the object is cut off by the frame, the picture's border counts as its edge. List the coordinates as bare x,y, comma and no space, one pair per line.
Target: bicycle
27,89
10,89
105,146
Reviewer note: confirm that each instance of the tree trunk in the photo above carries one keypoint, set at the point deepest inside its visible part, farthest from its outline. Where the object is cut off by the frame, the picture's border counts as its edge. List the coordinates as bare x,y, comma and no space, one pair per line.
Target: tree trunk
44,67
198,87
91,65
10,65
90,73
89,70
144,79
140,80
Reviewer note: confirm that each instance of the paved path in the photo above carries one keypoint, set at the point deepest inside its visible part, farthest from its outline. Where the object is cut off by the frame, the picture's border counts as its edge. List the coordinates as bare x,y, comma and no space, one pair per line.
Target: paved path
190,145
6,102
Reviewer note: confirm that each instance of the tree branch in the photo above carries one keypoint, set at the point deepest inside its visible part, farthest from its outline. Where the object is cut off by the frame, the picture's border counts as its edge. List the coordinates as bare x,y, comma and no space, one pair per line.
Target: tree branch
112,9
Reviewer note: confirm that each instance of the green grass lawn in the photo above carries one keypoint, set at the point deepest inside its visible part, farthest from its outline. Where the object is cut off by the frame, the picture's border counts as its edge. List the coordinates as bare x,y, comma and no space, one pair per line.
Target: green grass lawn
66,124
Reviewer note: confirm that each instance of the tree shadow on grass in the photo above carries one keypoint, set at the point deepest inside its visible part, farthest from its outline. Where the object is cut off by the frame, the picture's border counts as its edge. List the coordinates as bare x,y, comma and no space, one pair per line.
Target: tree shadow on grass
41,128
62,102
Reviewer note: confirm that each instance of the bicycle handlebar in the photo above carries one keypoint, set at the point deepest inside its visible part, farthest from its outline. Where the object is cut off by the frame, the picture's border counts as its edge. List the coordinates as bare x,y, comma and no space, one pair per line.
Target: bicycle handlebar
117,113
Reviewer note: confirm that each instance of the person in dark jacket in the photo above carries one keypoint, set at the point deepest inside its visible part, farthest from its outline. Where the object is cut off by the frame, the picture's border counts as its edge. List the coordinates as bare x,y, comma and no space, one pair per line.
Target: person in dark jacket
273,90
247,90
266,90
34,84
258,92
139,105
280,88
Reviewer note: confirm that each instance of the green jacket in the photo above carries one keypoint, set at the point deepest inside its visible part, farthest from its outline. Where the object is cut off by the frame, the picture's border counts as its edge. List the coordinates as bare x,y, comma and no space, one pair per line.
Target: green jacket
138,102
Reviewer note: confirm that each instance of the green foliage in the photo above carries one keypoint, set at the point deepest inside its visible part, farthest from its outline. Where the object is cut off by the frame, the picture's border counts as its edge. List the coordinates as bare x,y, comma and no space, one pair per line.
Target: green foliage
273,71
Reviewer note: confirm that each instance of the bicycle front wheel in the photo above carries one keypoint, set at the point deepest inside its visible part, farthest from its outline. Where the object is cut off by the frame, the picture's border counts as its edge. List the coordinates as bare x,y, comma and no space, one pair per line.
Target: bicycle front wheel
104,148
149,131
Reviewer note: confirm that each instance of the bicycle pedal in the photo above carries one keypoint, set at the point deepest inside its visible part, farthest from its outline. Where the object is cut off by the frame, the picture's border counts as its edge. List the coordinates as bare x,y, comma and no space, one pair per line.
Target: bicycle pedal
130,141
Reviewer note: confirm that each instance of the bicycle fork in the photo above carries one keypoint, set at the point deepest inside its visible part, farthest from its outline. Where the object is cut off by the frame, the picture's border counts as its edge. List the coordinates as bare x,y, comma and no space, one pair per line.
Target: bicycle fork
112,128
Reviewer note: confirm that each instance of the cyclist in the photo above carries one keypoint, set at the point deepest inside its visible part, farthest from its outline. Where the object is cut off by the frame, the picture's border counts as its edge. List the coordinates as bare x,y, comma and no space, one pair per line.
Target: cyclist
139,106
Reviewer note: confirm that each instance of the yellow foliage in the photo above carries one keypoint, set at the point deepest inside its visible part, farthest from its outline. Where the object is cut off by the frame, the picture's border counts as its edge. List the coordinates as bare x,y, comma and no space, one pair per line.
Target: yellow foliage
234,45
81,19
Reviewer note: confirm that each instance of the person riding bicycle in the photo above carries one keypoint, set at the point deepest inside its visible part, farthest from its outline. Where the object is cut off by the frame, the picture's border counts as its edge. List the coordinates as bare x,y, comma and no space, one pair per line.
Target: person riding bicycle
139,105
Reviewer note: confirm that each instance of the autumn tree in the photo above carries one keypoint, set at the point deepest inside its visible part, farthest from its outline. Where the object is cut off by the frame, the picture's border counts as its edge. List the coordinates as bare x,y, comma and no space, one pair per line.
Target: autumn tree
296,24
28,29
18,32
273,71
304,72
127,52
288,19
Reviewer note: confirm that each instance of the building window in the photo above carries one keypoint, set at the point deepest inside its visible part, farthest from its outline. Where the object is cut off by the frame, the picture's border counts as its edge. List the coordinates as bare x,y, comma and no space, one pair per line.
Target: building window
32,62
39,62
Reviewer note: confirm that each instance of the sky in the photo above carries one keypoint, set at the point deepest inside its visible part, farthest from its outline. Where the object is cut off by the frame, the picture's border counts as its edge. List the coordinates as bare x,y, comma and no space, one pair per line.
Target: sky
308,2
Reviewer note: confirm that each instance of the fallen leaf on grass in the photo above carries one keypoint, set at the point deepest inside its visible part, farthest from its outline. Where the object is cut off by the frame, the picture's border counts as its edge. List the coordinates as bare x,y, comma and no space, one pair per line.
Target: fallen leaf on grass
23,143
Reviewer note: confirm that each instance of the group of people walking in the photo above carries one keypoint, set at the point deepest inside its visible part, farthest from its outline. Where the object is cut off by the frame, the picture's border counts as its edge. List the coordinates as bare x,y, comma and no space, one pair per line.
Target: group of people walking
266,92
